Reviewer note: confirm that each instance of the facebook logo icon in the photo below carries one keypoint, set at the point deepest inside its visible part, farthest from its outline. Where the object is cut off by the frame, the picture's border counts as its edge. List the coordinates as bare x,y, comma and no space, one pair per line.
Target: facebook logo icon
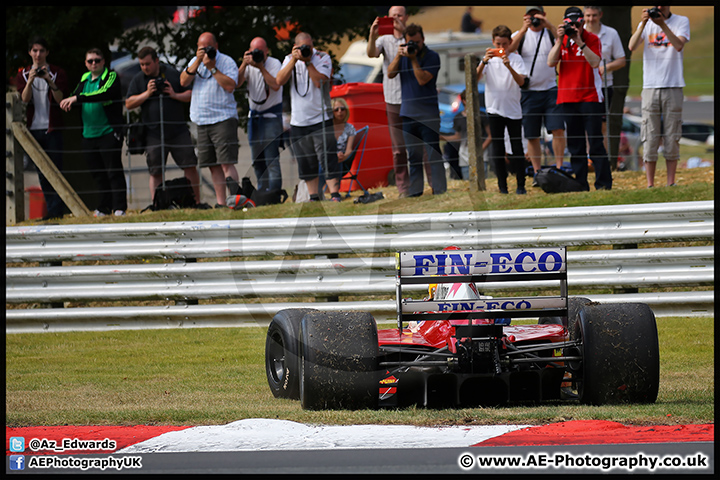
17,462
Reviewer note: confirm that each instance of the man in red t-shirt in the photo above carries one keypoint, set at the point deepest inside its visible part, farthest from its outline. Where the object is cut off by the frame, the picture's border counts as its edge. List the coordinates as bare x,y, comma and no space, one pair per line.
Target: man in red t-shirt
578,54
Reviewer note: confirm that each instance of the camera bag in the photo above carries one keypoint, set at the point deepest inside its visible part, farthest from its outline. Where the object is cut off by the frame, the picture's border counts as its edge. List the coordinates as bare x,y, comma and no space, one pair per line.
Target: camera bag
552,180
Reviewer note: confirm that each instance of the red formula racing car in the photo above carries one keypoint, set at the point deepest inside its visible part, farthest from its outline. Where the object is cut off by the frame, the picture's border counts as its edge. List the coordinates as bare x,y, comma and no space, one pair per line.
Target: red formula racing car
458,348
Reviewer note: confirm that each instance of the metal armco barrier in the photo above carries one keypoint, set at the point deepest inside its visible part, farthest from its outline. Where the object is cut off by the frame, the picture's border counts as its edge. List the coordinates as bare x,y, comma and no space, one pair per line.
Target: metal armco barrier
182,280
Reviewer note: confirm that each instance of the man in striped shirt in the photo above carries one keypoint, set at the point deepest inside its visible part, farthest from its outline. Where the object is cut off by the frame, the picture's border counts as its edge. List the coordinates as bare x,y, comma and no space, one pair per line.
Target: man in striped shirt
213,109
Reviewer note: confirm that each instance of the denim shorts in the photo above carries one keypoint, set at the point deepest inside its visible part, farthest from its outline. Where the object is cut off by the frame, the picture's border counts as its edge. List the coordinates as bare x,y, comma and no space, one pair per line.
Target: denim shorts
538,107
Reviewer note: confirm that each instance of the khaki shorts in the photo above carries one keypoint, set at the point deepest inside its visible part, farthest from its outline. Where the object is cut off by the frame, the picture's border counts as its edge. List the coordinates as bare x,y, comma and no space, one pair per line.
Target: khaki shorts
218,143
665,103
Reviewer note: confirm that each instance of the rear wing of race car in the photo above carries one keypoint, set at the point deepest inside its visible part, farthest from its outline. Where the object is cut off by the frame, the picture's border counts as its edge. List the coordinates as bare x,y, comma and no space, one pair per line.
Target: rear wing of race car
481,266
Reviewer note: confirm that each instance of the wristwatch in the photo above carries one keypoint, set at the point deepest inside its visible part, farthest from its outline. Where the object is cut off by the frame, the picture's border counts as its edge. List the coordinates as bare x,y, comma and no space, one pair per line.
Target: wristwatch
213,71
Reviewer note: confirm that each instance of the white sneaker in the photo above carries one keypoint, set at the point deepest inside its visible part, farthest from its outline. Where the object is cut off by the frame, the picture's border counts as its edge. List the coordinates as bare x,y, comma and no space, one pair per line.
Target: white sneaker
119,213
98,213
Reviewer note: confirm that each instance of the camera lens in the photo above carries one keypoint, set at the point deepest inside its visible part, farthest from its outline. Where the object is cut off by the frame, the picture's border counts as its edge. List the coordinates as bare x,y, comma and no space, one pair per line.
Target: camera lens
535,22
257,55
411,47
210,52
654,12
305,51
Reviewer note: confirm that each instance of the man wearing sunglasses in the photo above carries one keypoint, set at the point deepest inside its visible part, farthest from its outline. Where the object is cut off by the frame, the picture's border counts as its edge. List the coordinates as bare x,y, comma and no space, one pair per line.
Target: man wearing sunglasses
100,100
577,54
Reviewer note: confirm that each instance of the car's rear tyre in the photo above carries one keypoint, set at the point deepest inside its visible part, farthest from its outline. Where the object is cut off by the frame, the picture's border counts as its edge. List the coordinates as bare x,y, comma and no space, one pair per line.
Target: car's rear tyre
282,361
574,306
339,361
620,354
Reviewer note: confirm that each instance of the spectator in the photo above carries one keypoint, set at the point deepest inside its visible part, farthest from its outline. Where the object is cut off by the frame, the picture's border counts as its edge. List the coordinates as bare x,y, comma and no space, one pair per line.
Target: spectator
387,46
538,98
468,24
265,124
418,66
613,55
505,73
153,81
344,131
577,52
100,99
460,136
313,141
214,110
664,36
42,87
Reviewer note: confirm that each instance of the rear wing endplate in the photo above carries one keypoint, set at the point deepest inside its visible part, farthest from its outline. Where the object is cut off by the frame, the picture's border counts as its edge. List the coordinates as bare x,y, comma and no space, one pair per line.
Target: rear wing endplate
480,266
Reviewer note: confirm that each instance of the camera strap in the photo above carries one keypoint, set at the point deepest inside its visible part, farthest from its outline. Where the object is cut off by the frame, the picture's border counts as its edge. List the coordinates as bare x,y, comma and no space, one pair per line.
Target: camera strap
307,87
532,68
267,95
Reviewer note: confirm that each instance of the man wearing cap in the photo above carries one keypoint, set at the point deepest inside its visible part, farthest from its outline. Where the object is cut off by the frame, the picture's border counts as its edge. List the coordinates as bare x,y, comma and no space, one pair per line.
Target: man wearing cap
664,36
577,53
538,98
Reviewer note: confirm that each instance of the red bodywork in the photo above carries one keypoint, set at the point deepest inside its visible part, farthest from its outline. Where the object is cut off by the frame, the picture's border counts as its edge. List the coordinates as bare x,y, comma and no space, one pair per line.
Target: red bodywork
437,334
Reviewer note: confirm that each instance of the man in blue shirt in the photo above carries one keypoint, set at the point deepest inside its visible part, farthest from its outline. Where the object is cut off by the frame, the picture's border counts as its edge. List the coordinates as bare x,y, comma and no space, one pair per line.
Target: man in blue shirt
418,68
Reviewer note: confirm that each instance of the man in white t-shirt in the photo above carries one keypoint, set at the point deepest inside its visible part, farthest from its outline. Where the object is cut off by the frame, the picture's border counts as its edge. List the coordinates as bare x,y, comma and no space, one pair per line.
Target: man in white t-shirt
265,125
387,46
504,74
613,54
312,134
533,42
663,36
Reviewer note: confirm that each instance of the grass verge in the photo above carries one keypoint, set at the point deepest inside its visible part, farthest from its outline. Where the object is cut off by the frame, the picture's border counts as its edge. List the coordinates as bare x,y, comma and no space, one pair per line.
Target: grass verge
213,376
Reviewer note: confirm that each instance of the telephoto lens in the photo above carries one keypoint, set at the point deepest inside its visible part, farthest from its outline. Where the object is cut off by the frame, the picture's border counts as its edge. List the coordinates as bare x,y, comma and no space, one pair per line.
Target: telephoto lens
257,55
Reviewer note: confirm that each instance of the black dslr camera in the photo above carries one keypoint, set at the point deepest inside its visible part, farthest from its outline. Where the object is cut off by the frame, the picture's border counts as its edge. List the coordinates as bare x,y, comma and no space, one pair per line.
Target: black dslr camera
211,52
412,47
160,84
569,29
654,12
535,21
257,55
305,51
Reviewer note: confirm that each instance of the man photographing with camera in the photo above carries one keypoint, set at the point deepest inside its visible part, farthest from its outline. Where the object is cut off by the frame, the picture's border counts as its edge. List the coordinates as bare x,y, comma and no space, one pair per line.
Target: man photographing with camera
577,54
145,90
313,139
533,41
258,70
663,36
214,110
418,68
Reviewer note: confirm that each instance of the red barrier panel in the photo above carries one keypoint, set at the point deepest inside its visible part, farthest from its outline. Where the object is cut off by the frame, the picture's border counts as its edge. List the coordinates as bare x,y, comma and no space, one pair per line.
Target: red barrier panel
367,107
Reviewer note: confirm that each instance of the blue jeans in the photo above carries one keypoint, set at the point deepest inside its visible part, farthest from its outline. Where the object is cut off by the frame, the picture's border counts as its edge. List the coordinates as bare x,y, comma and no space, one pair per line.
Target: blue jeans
585,119
52,143
422,134
264,135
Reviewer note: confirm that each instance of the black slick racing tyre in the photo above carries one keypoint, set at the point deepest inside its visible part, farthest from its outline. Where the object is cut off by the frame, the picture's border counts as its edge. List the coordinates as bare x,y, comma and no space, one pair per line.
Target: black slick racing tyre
620,353
282,361
339,361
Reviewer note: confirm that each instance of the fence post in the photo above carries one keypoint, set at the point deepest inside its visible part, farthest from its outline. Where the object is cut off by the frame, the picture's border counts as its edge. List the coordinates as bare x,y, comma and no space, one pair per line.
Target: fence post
14,177
474,131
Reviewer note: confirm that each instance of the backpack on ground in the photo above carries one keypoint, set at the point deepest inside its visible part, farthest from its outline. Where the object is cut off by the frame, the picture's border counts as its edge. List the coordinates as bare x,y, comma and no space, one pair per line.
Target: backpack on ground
552,180
173,194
